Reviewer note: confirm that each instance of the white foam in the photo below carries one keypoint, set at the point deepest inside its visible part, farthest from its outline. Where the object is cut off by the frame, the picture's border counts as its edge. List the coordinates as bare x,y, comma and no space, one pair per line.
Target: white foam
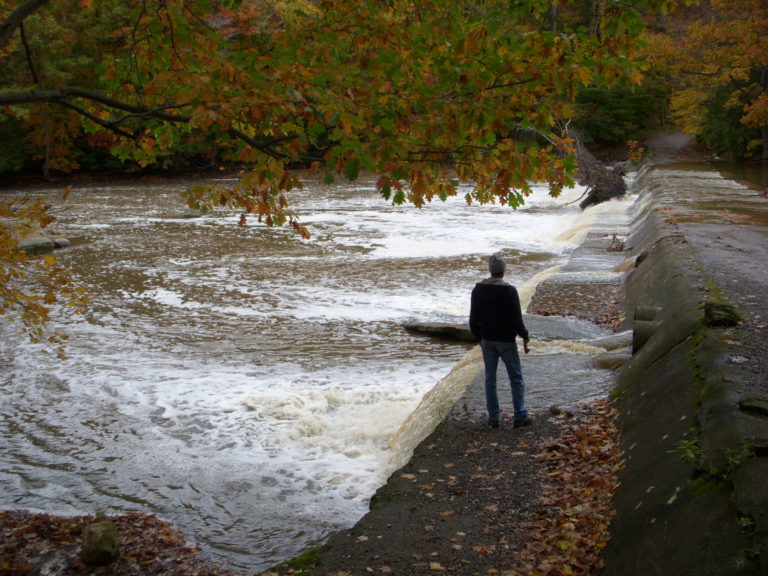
449,229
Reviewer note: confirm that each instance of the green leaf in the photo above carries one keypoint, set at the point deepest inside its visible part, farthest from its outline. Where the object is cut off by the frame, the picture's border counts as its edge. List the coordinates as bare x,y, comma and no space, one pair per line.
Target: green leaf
352,168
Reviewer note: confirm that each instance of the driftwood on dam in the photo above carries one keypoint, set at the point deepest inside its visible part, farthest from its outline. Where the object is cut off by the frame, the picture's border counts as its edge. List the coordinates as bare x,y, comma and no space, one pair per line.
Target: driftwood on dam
603,182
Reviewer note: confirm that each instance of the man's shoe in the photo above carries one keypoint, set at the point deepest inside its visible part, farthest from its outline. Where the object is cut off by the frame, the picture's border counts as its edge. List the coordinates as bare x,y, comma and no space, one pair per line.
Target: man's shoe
493,423
522,422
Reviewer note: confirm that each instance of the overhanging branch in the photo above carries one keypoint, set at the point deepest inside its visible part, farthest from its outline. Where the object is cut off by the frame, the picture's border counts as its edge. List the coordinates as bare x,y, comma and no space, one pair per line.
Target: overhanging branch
63,96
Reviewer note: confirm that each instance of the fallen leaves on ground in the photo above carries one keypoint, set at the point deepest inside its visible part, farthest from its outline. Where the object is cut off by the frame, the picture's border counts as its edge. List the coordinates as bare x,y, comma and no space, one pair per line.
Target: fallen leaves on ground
596,302
581,469
32,544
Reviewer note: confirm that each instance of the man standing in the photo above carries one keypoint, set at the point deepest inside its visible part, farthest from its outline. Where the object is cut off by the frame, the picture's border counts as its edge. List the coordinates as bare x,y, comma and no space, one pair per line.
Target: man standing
495,318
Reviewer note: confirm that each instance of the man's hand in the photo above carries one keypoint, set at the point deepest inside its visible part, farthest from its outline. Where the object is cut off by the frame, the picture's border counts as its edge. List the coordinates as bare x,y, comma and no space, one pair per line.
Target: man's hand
525,345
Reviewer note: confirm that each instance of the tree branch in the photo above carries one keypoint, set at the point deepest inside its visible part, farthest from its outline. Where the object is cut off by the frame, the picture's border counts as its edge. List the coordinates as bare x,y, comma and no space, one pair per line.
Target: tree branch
111,126
62,98
57,96
28,52
265,147
16,18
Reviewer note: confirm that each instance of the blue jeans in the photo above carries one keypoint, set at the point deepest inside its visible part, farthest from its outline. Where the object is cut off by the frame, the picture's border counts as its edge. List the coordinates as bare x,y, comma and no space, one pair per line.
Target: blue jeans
507,351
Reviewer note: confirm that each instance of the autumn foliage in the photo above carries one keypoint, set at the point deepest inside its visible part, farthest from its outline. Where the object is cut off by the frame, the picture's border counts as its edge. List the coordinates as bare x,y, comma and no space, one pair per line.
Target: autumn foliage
715,56
402,89
426,94
31,286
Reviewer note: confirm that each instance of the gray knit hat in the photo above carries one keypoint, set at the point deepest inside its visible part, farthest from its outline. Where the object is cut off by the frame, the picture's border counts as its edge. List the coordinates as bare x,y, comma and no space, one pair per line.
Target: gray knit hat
496,265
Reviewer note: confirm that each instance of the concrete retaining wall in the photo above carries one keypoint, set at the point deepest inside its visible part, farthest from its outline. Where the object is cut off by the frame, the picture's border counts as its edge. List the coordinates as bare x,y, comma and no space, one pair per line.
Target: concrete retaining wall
692,498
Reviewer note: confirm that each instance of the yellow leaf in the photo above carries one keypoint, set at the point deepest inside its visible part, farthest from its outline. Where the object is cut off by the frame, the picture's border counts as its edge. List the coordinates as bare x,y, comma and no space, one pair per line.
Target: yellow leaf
564,544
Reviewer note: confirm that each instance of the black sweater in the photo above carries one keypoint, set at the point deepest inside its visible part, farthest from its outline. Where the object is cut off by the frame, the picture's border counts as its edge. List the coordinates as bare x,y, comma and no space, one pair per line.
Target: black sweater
495,313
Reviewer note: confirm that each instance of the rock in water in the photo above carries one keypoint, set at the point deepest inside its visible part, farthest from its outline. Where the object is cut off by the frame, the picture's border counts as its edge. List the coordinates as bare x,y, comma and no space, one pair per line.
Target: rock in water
101,543
37,245
450,331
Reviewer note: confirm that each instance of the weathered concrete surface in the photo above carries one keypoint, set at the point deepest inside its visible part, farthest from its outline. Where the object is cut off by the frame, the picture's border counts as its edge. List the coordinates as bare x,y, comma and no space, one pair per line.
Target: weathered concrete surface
693,423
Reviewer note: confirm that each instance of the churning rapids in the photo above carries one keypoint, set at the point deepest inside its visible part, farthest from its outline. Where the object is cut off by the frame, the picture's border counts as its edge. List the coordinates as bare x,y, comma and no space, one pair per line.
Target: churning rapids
244,383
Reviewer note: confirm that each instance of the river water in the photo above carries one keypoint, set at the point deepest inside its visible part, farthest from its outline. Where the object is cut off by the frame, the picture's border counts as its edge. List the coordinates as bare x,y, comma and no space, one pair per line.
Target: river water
244,383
